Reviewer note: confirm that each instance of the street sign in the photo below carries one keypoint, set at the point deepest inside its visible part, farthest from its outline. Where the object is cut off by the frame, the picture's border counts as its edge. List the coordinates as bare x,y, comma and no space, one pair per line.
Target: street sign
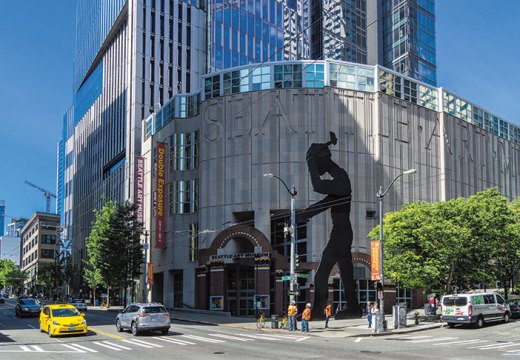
286,278
304,276
295,293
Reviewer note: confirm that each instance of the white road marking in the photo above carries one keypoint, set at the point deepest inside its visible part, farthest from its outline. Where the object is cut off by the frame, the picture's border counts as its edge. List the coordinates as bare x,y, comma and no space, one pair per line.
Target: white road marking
494,346
32,327
200,338
25,348
304,338
359,339
106,345
433,340
256,337
73,348
474,341
84,348
142,343
116,345
230,337
37,348
174,341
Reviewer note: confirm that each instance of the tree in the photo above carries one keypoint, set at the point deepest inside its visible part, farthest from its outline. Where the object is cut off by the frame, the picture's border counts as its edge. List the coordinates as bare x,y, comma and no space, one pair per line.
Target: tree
15,278
92,277
6,266
114,249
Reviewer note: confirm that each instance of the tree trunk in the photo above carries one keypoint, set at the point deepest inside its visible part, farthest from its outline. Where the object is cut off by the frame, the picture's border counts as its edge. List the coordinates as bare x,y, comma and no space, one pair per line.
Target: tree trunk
108,296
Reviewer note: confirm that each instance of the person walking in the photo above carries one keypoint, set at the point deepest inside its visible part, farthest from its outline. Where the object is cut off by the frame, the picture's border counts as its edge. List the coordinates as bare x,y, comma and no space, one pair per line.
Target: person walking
432,307
375,314
306,317
369,313
328,314
292,310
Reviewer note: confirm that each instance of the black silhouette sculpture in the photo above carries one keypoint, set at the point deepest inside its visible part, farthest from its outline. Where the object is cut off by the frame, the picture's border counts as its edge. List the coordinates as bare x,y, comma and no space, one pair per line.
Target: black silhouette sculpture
338,249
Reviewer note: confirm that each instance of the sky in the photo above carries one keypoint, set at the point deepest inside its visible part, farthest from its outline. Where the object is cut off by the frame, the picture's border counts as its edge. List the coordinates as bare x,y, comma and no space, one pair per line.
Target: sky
478,52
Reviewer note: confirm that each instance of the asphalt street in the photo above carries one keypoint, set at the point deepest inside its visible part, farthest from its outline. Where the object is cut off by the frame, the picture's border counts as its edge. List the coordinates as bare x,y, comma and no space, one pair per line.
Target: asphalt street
21,339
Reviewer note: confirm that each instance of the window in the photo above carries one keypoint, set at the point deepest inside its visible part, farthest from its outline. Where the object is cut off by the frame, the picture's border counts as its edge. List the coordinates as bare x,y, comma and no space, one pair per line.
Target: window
184,151
184,196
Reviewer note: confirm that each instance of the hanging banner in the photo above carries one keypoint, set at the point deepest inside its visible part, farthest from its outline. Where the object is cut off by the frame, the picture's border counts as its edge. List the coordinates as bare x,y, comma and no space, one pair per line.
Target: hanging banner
149,274
139,188
160,176
374,253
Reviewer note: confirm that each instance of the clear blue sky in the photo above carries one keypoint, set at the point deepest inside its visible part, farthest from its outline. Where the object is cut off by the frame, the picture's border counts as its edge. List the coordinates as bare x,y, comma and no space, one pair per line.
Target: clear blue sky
478,52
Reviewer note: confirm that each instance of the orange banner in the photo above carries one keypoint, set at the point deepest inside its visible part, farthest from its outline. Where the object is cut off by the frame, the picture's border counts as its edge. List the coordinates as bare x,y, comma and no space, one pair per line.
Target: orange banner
149,274
374,253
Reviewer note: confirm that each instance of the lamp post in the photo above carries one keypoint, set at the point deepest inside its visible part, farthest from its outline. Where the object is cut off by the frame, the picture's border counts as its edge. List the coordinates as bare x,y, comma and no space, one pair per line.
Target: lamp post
380,195
145,286
292,283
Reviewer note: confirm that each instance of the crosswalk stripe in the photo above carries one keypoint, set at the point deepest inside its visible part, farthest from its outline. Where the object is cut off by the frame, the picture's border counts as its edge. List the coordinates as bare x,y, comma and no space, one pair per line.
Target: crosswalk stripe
106,345
432,340
138,344
304,338
257,336
194,337
464,342
174,341
37,348
410,337
493,346
74,348
230,337
25,348
116,345
84,348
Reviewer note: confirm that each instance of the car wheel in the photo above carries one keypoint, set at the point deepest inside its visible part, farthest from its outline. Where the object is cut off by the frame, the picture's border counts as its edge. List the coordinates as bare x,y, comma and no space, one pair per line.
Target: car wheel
118,326
506,317
165,331
451,325
480,322
135,330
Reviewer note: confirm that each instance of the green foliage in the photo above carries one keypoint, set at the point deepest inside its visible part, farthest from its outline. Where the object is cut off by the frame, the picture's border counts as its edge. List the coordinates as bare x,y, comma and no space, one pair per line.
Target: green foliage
15,278
461,242
6,266
114,250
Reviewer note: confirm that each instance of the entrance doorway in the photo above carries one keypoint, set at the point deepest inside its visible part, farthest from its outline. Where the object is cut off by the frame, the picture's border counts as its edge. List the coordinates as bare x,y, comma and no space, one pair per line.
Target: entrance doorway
241,290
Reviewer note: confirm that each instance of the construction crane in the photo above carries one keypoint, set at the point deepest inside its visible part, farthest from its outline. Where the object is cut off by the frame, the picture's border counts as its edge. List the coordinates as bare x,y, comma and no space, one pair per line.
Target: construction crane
46,193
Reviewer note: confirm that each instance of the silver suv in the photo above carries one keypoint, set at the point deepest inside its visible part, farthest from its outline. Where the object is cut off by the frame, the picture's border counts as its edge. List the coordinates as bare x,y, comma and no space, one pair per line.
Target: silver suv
143,317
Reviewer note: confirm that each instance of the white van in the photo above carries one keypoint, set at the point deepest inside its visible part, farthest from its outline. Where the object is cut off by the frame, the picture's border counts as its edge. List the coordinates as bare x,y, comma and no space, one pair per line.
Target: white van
474,309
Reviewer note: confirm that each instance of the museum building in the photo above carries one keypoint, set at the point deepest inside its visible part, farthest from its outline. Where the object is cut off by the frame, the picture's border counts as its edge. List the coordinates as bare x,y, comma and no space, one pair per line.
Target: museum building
218,228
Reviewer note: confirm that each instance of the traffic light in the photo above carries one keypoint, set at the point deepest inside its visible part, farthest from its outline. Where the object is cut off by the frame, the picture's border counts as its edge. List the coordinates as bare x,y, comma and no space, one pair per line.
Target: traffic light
296,261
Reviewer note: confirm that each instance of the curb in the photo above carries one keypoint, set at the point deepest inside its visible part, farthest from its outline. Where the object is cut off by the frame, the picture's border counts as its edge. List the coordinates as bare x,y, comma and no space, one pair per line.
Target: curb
404,331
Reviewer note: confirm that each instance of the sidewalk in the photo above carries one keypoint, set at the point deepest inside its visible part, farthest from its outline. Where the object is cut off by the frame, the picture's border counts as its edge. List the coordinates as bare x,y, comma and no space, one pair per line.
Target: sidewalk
337,328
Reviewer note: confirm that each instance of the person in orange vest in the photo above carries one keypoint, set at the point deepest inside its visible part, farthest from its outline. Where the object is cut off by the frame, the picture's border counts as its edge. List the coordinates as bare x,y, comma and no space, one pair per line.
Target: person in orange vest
292,310
328,314
306,317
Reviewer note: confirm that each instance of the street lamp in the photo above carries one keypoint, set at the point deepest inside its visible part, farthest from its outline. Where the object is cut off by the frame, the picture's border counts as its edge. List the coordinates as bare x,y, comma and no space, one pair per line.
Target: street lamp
380,195
293,193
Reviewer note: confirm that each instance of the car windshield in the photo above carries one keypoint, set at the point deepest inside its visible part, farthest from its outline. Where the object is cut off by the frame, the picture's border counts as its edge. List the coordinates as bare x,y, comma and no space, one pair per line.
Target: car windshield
154,309
64,312
454,301
28,302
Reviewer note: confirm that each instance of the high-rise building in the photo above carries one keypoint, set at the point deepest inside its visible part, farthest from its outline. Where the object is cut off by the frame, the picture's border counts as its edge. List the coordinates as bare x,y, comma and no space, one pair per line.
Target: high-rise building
2,217
401,37
10,241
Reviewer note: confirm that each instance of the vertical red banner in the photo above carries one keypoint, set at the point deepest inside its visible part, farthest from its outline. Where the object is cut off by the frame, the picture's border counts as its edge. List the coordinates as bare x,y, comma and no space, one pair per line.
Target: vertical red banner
139,188
159,195
374,253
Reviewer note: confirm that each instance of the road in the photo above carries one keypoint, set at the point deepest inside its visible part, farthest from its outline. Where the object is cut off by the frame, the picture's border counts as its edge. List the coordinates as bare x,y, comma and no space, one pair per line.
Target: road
21,339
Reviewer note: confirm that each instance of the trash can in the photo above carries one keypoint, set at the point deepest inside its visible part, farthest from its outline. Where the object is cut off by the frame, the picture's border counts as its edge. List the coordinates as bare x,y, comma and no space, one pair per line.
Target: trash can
274,322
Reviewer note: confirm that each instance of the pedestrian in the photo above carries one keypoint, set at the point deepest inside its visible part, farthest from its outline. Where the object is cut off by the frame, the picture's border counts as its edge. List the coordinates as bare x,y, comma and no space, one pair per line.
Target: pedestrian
375,314
369,313
328,314
292,310
432,307
306,317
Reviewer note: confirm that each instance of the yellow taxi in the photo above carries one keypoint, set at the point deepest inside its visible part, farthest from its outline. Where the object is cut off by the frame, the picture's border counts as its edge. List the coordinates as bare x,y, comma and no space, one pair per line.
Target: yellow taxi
62,319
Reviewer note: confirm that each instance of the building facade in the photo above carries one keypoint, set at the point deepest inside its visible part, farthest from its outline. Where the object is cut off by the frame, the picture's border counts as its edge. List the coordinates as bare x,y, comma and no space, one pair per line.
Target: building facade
10,243
39,241
2,217
221,222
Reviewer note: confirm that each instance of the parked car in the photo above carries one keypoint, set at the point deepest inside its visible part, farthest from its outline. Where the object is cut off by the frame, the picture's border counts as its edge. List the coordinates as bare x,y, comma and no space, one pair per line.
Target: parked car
144,317
2,299
27,307
514,305
62,319
79,304
476,308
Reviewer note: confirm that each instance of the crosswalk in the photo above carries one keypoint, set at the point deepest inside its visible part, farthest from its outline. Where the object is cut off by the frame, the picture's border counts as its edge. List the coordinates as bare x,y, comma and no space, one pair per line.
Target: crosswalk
507,348
132,344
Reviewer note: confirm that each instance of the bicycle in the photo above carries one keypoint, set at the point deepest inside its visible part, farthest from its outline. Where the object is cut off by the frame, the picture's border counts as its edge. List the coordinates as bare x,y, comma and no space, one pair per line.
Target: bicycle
260,322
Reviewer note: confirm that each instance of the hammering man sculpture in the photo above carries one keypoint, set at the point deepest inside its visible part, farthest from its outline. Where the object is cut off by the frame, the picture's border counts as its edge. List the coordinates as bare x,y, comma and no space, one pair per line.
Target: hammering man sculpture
338,197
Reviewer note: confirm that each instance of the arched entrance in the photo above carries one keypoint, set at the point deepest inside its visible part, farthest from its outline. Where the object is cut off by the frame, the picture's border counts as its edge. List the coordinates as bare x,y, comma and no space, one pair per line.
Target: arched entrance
237,273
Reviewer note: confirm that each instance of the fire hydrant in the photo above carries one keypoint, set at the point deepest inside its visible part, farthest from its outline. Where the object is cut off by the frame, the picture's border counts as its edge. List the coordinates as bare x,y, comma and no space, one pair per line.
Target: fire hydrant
416,317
